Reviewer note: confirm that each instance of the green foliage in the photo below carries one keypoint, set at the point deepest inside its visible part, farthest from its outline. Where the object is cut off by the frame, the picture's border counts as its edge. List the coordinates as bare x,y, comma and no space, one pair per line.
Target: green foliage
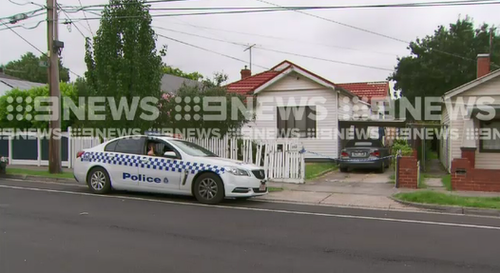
402,144
29,108
28,68
177,72
122,62
220,120
433,67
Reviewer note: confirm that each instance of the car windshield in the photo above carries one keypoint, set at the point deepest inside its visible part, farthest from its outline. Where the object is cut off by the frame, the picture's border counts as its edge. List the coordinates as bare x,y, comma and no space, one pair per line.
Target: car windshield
363,143
192,149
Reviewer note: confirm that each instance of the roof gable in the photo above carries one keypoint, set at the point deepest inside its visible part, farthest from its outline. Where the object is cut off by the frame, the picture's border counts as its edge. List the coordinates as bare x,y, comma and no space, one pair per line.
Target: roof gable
465,87
256,83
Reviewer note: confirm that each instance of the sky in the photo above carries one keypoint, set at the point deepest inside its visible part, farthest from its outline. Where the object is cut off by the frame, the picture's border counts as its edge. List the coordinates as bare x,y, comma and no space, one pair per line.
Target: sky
292,32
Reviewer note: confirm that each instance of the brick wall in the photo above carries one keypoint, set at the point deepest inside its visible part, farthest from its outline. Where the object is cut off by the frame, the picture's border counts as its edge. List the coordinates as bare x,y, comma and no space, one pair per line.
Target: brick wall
408,172
466,178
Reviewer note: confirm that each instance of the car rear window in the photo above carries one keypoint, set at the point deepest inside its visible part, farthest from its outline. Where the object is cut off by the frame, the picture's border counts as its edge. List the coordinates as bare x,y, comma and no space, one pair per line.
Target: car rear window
364,143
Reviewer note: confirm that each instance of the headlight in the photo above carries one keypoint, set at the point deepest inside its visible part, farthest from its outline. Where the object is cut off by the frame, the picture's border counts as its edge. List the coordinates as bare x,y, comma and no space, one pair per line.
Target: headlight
236,171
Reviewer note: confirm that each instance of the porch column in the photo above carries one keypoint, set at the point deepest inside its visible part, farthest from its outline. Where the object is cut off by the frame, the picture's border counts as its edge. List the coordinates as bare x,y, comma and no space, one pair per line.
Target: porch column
469,142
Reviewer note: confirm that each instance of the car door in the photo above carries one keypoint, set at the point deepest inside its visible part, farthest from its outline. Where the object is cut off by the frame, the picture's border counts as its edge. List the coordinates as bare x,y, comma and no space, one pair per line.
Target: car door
161,173
124,162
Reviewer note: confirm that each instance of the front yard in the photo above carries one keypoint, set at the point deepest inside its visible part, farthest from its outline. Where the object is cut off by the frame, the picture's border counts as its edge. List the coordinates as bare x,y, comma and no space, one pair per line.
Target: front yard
314,170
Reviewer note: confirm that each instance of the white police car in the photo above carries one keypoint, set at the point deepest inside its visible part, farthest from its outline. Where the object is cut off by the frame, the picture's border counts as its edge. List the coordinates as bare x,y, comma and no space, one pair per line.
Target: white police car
177,167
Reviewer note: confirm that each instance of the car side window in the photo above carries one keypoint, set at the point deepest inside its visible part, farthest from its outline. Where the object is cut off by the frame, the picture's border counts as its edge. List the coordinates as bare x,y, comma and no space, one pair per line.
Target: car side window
159,148
130,146
111,146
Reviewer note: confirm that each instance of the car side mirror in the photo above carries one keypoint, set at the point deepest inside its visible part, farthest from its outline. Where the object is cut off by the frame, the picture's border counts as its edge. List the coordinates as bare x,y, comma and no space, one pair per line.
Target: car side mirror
170,154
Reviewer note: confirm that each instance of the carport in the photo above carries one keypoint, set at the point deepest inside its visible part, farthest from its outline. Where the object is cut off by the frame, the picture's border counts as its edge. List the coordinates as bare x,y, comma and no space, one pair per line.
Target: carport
416,142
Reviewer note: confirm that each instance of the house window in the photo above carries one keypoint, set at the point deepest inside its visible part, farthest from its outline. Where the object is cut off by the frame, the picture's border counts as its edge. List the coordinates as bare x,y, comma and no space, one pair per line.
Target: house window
489,136
296,121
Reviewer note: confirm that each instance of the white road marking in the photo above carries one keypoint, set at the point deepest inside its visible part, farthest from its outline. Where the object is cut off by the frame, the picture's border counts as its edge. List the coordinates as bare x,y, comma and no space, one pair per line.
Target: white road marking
263,209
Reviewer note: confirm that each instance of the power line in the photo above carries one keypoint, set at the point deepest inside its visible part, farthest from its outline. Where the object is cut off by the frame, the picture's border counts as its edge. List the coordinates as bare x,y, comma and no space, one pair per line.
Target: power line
278,8
322,59
85,15
277,51
376,33
200,36
146,2
206,49
285,39
24,39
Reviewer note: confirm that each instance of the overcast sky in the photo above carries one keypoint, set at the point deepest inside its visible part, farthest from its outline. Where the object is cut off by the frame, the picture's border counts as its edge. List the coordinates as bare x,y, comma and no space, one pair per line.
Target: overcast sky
298,33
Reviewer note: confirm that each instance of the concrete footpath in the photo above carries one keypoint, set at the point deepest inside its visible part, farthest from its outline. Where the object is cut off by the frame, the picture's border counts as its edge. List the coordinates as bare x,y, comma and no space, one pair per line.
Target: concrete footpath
355,189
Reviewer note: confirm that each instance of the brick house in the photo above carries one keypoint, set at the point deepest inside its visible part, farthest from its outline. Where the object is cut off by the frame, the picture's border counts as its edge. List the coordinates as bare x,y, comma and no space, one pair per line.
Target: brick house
471,148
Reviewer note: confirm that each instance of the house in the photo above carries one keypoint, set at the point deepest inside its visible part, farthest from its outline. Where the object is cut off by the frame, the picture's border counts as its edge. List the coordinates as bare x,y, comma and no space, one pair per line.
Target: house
8,83
171,84
470,116
295,103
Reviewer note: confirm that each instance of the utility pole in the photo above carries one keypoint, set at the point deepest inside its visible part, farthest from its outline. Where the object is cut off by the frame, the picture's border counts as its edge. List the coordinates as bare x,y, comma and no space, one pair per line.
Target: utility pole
53,52
250,50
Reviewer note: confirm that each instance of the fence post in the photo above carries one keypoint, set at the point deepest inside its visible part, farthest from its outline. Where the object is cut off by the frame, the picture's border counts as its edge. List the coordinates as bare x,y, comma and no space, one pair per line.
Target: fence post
70,148
398,158
10,148
38,147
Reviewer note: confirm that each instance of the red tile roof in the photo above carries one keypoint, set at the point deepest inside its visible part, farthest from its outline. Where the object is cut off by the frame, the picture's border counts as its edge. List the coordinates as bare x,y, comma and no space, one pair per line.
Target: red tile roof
362,89
367,90
248,85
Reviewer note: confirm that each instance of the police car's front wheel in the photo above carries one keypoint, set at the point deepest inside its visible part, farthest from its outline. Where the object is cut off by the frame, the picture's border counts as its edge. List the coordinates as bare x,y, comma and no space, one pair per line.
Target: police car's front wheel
209,189
98,181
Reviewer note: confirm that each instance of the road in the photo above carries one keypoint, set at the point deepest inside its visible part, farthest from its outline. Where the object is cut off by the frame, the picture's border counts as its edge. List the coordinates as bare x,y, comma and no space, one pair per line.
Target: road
50,227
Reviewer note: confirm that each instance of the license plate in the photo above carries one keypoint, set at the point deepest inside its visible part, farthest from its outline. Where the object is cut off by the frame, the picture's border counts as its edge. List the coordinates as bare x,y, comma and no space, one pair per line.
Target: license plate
262,187
358,154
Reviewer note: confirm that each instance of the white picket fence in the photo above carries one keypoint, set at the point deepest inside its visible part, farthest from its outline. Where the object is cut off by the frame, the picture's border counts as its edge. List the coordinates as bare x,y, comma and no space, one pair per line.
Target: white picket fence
281,159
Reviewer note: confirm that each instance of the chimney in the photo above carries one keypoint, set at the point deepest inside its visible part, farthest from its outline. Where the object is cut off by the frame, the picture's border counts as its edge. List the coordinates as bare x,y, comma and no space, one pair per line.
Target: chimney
483,64
245,73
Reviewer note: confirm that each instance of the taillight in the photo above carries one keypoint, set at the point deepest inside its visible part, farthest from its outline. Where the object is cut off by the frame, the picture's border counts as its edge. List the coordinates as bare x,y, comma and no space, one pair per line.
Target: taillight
344,154
79,154
376,153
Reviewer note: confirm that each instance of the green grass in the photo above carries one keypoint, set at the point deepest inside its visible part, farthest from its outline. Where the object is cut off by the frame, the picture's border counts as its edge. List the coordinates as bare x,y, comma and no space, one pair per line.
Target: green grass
430,197
314,170
447,181
273,189
392,178
421,181
65,174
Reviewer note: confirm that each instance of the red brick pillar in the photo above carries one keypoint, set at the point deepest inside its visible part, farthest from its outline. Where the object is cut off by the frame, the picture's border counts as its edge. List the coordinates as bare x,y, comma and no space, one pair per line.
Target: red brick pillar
461,175
469,154
407,172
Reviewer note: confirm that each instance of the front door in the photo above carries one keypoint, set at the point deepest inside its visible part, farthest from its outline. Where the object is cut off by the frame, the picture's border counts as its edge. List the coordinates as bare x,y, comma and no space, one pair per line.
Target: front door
159,172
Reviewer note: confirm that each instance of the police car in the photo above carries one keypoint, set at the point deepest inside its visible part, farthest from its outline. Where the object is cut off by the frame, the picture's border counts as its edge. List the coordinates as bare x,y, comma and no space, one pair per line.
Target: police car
162,164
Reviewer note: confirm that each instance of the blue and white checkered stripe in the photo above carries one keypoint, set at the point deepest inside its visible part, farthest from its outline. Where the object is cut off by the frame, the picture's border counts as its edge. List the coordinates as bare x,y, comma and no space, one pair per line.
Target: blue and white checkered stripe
171,165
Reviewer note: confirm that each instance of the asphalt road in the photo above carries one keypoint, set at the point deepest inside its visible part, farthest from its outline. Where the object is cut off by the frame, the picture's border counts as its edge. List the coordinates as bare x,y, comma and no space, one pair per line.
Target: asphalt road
55,228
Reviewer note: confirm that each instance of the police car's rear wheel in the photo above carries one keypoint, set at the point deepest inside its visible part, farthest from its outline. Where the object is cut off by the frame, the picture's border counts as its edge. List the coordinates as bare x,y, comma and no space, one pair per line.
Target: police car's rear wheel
98,181
209,189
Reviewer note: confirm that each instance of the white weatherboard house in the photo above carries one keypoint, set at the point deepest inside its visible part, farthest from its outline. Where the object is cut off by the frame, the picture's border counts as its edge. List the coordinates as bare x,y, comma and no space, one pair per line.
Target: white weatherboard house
288,86
484,90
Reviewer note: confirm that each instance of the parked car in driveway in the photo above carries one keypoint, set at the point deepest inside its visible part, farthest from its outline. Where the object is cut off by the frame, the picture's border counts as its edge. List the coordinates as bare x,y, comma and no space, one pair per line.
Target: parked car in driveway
364,154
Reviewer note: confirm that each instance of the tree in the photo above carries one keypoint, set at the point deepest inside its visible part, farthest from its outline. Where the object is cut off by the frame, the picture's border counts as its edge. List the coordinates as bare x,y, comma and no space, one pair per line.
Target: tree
187,111
20,114
167,69
123,63
29,68
445,60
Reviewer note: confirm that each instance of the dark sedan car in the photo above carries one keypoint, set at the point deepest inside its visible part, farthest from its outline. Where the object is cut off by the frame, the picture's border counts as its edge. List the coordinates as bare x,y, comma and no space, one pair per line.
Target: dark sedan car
364,154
